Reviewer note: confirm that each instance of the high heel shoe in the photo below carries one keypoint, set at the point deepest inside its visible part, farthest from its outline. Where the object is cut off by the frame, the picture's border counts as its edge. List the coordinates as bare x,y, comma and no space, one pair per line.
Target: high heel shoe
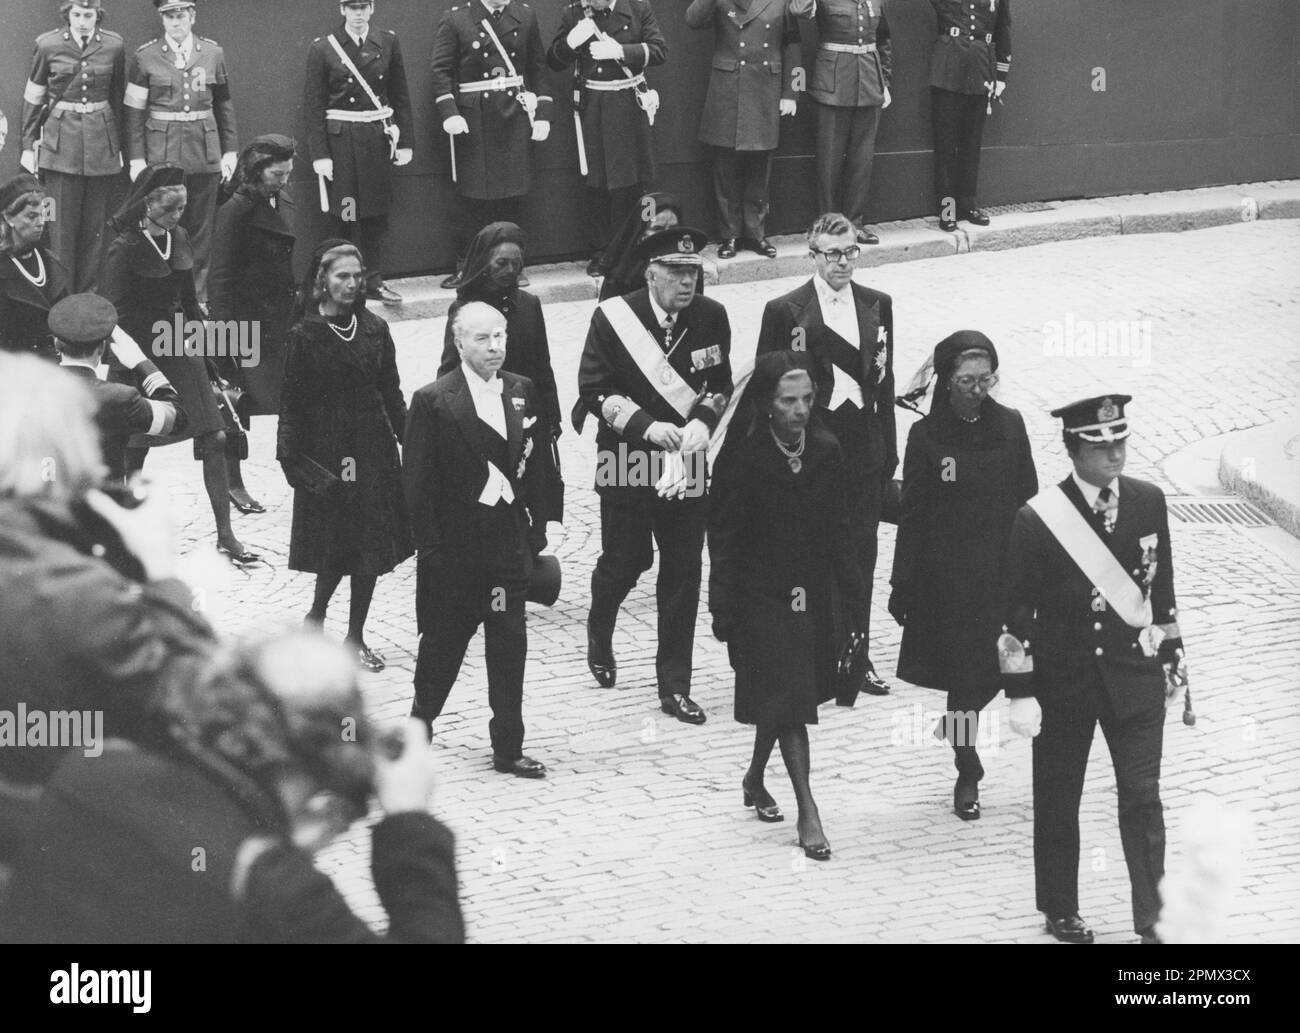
817,851
768,811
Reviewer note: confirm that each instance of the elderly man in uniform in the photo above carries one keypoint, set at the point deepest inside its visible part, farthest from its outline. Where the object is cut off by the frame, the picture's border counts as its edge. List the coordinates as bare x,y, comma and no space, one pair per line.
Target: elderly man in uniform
656,372
478,472
358,114
83,326
850,83
968,71
751,86
848,330
610,44
488,67
178,110
1093,639
71,112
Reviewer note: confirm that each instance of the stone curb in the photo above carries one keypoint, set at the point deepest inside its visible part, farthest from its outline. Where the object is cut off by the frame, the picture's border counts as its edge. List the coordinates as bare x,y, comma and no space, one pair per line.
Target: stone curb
911,239
1263,465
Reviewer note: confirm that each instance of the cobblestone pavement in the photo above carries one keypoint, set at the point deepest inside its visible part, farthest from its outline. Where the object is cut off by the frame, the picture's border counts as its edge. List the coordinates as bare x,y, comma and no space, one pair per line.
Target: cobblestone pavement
638,833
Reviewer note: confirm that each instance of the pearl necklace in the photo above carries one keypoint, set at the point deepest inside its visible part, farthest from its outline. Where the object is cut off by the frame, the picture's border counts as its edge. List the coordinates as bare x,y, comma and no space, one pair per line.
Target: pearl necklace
791,455
348,332
164,253
39,279
969,419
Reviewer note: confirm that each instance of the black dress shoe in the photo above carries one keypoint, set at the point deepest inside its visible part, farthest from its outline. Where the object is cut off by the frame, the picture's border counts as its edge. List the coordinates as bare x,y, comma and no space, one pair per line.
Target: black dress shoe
761,800
387,295
947,225
1069,929
873,684
966,800
452,282
520,767
976,217
727,249
765,248
593,267
600,661
865,236
683,708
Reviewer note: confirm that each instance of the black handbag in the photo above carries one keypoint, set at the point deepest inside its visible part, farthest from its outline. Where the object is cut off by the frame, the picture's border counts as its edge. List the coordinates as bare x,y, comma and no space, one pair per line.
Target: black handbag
305,474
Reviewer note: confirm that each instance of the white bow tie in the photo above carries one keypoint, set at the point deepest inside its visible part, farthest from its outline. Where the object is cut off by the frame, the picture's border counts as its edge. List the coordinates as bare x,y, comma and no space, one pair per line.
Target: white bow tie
491,387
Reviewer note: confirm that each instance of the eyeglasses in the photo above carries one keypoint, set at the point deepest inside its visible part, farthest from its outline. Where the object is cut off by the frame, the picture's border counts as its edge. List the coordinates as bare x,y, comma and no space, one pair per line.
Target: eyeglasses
987,381
835,255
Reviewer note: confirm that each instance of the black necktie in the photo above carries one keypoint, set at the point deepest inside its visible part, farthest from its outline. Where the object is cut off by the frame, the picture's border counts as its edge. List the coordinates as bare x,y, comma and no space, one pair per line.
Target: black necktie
85,41
1105,507
667,325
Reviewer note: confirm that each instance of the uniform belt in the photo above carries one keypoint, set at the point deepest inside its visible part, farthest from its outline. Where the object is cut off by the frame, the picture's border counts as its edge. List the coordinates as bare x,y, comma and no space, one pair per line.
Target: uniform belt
955,31
81,107
501,82
617,84
373,115
850,48
179,116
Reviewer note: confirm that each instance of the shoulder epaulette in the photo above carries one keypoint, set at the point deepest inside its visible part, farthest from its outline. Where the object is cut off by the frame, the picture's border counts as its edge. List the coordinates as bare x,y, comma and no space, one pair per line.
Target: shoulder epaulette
46,35
109,32
145,46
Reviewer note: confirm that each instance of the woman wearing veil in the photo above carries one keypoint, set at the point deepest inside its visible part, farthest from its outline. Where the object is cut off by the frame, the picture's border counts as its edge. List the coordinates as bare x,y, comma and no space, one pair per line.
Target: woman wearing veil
782,578
622,270
341,417
148,275
967,470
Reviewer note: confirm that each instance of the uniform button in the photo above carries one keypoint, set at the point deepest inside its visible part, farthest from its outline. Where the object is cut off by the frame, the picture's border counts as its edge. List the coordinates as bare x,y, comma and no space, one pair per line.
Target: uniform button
742,43
1099,651
764,44
1097,626
742,62
187,107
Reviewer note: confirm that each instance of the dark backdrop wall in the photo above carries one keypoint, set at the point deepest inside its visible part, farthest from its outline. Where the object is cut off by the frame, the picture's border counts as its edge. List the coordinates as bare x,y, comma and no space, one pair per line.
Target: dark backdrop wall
1197,92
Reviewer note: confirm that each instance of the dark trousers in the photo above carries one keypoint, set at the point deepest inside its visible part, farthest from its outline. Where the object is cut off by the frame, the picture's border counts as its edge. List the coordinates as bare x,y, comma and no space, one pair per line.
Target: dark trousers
958,122
740,180
499,607
199,221
606,210
1060,761
474,213
846,147
82,205
626,528
370,235
962,722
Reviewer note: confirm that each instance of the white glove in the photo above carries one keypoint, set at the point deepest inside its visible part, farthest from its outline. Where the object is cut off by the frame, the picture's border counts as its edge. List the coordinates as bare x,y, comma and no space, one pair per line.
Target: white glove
788,107
998,88
455,125
606,50
128,353
889,99
137,166
695,437
403,156
28,161
580,33
1026,716
324,167
228,162
541,130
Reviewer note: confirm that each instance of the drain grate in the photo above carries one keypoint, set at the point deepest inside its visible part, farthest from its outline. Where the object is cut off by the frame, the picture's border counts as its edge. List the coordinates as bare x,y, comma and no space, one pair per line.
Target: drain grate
1023,206
1226,510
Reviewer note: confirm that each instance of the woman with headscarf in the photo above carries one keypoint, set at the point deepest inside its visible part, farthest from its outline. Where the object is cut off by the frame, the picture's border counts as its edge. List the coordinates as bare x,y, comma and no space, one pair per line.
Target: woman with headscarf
967,470
341,417
31,279
782,577
493,264
252,287
622,270
149,277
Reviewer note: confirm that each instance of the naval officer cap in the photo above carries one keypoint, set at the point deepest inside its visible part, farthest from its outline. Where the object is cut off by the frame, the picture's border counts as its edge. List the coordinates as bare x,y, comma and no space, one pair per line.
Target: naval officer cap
165,6
680,245
1098,420
84,319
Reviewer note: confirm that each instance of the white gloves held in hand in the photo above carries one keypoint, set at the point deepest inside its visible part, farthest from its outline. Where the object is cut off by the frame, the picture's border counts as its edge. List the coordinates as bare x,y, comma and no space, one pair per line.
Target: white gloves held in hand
1026,716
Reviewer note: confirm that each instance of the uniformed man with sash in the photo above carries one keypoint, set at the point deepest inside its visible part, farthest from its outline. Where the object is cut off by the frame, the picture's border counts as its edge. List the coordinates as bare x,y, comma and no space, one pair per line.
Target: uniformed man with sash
179,111
487,71
656,373
359,126
1093,639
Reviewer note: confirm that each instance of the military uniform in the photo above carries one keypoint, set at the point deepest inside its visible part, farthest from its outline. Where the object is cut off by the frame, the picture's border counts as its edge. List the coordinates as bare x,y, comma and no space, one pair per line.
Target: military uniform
628,391
849,78
1091,665
972,51
755,53
78,149
616,132
472,79
344,126
184,115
